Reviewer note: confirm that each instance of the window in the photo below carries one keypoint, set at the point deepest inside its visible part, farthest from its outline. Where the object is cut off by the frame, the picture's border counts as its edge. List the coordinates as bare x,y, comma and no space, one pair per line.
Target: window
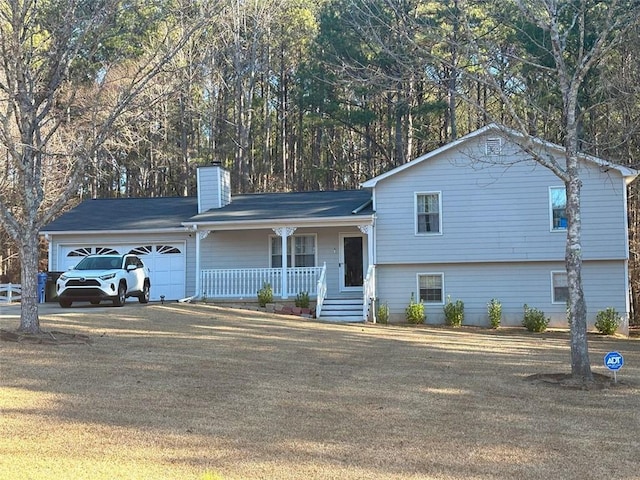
428,213
276,252
304,248
106,251
558,206
305,251
430,287
79,252
167,250
560,287
142,250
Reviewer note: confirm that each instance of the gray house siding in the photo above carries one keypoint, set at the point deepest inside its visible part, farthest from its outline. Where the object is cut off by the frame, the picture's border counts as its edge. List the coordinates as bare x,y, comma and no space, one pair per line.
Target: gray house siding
496,239
513,284
494,212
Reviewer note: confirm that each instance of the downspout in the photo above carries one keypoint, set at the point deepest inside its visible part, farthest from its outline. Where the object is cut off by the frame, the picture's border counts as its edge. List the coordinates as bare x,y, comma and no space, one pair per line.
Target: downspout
49,252
198,292
625,327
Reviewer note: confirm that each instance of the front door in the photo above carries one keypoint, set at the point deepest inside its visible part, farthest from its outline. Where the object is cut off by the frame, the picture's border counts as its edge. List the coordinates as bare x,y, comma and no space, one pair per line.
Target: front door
351,262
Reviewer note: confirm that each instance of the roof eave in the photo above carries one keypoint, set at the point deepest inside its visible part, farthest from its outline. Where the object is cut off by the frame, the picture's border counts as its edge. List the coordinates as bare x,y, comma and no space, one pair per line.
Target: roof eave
352,220
113,232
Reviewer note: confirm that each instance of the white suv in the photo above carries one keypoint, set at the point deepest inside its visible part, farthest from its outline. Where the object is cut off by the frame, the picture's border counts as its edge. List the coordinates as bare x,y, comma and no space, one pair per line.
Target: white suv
104,277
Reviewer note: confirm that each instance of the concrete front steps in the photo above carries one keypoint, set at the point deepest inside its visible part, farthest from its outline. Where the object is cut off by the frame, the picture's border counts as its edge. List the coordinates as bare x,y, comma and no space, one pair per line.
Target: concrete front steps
348,310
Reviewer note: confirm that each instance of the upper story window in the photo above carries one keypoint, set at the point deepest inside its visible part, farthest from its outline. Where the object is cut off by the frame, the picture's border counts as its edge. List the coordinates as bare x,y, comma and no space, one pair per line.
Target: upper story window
558,208
428,213
304,251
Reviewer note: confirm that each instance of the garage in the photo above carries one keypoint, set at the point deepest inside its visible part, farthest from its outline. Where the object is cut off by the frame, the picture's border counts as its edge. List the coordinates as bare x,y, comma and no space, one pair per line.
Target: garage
166,263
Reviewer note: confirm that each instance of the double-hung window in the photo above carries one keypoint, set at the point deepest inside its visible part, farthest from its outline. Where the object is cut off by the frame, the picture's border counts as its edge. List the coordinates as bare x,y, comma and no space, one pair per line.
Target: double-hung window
559,287
303,247
558,208
428,213
304,251
430,288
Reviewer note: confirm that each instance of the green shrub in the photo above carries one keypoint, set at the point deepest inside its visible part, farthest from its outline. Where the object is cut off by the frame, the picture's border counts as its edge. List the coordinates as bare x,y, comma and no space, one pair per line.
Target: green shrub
534,319
453,312
415,312
607,321
494,311
302,300
382,314
265,294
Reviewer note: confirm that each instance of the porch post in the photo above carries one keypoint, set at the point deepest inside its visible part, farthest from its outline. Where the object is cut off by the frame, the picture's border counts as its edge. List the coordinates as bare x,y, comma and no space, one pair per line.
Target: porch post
368,230
200,235
283,233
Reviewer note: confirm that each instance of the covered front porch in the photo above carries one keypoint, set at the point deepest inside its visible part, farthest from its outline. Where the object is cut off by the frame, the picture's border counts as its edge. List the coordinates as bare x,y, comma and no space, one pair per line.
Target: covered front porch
325,262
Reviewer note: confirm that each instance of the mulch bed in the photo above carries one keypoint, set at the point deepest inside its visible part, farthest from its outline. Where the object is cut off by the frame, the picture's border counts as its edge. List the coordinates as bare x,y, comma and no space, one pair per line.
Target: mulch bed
49,338
566,380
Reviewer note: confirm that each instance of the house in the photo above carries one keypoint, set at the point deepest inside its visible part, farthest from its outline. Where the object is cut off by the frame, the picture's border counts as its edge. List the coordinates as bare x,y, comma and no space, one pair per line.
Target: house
473,220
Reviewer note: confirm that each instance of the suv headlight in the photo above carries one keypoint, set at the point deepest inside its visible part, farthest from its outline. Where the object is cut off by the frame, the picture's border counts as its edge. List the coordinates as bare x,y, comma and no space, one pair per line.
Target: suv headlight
107,276
63,277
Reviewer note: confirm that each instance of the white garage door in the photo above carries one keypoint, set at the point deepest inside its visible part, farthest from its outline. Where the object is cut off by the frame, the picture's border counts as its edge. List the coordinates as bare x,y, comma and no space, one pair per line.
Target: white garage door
166,263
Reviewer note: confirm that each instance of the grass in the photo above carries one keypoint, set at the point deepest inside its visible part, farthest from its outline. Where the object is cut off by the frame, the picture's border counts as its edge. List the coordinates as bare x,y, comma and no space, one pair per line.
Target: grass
200,392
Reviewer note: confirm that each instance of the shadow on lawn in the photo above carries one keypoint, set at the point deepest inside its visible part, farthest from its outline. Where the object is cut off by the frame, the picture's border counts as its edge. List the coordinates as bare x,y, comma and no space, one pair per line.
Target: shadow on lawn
259,388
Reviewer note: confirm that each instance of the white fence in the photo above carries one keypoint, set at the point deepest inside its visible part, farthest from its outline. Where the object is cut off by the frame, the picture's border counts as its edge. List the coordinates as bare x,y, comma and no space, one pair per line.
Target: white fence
10,292
245,282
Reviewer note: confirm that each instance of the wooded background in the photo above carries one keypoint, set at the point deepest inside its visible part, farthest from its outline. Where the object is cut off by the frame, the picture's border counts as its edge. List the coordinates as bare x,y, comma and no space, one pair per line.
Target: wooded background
295,95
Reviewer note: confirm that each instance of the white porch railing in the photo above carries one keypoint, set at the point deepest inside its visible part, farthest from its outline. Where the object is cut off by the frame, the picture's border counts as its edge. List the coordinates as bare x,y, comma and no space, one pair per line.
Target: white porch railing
10,292
321,290
369,294
245,282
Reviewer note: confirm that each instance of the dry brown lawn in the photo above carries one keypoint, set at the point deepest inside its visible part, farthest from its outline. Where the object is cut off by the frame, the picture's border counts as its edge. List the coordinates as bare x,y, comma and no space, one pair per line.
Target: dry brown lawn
196,391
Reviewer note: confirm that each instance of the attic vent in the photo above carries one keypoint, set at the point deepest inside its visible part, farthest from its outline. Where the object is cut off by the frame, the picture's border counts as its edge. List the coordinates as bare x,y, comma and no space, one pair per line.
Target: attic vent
494,146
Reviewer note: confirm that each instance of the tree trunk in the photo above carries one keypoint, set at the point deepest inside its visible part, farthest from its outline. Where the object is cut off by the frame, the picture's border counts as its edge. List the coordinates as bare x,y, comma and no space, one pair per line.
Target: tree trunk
29,256
580,365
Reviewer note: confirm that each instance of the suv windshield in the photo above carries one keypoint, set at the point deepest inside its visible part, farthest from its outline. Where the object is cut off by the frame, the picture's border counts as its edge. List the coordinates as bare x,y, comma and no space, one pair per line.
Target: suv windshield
99,263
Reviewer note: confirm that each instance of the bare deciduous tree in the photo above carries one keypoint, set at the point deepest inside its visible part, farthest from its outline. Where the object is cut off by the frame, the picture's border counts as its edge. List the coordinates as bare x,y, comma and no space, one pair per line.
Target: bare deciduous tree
60,96
501,47
578,36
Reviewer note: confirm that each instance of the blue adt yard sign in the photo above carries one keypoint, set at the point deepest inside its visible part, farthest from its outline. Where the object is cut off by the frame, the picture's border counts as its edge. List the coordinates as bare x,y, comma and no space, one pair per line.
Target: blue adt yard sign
613,361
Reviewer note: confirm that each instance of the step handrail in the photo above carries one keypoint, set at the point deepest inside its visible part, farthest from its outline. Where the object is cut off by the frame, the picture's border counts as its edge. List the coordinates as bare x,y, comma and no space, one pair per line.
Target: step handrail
321,290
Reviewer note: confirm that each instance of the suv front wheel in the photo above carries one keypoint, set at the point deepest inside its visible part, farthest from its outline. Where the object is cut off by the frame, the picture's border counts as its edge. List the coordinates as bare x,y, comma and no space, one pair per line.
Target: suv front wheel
122,295
144,296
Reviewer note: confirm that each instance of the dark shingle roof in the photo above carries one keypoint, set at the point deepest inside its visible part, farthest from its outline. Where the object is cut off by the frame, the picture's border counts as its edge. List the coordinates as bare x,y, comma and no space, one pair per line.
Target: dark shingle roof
126,214
281,206
121,214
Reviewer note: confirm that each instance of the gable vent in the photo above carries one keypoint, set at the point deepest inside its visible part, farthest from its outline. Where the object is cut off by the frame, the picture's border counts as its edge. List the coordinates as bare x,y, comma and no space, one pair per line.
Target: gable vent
493,146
